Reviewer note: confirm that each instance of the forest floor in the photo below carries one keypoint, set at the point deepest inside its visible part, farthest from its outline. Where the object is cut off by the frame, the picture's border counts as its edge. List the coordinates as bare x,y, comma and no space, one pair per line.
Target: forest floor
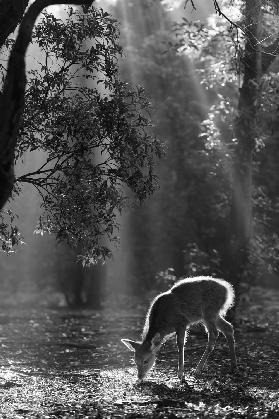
61,363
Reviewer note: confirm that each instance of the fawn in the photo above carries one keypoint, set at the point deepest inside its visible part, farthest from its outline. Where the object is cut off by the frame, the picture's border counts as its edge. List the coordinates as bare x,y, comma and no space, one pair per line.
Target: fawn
202,299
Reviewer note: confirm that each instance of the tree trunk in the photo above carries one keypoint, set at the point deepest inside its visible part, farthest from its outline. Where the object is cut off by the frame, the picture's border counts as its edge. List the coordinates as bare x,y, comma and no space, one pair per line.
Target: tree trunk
11,13
95,278
245,131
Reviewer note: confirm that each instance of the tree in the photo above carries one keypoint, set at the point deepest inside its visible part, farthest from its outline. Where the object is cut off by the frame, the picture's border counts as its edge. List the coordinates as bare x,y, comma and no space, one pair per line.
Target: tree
232,128
256,58
246,134
94,137
12,97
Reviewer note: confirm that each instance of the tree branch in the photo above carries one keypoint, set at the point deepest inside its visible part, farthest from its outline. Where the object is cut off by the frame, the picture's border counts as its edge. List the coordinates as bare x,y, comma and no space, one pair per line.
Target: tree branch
12,98
269,54
11,13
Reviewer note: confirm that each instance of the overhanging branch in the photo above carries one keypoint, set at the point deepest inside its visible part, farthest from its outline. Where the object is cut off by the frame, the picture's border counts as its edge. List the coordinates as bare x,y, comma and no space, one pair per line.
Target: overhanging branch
12,97
11,13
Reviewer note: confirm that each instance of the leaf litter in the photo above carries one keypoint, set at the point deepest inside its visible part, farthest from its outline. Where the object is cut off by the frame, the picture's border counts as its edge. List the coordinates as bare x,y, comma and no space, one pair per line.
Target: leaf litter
68,363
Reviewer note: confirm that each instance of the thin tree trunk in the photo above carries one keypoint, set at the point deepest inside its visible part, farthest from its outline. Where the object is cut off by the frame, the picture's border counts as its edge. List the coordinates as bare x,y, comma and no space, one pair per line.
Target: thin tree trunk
245,131
95,278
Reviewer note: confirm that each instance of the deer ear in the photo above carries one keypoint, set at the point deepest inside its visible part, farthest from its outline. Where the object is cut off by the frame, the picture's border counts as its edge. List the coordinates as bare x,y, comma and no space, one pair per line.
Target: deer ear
155,341
131,344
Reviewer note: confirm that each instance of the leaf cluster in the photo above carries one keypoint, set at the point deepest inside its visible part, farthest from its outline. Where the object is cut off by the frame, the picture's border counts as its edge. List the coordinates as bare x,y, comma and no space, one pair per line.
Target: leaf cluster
92,128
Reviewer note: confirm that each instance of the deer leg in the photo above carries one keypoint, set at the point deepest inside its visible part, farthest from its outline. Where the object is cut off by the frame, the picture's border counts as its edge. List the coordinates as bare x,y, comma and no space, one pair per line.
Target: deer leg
227,329
180,341
212,333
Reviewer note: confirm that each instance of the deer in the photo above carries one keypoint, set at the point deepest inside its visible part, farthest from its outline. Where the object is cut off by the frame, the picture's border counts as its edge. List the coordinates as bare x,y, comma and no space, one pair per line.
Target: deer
201,299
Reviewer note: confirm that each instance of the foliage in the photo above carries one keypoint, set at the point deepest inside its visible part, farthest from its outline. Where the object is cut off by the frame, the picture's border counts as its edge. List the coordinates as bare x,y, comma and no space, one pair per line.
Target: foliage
199,262
92,127
164,280
217,49
196,262
199,128
9,234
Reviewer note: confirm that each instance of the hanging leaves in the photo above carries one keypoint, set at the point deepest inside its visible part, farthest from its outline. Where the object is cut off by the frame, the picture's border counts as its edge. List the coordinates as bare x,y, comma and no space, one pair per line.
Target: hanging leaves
94,129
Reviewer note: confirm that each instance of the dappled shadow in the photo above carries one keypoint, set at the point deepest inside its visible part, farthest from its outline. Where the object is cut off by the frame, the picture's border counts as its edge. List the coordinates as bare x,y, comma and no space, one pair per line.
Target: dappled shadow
227,395
205,388
77,356
52,341
161,394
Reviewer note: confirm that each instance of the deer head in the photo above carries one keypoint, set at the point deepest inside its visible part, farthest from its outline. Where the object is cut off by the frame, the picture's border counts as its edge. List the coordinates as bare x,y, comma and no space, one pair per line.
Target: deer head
145,353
